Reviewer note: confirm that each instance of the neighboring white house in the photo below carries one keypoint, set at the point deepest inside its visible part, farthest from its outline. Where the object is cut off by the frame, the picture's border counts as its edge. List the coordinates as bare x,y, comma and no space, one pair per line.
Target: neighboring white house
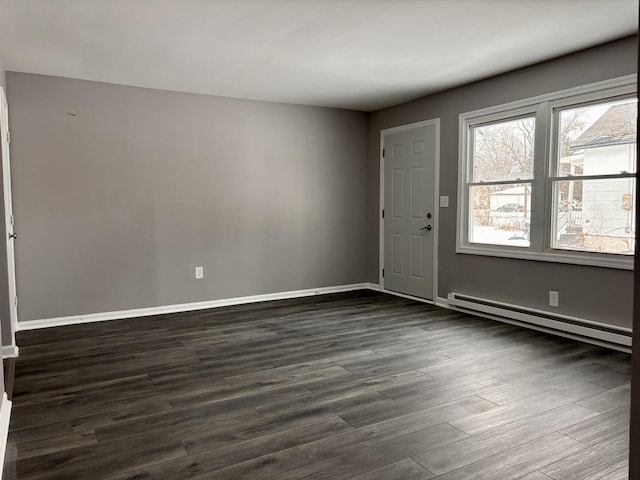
607,147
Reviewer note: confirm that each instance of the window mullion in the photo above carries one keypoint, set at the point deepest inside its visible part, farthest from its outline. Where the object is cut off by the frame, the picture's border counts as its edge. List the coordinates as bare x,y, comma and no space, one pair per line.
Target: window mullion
538,193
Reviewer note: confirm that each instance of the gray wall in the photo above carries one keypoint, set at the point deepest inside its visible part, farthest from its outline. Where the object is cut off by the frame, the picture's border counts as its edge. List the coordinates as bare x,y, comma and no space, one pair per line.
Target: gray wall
116,206
2,75
588,292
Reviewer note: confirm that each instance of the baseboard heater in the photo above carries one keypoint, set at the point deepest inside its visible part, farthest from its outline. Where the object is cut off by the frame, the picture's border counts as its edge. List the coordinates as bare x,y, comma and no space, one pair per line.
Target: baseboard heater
617,338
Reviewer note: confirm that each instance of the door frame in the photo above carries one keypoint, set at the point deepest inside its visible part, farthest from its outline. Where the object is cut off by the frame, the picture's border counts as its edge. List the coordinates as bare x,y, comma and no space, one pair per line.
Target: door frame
436,203
9,349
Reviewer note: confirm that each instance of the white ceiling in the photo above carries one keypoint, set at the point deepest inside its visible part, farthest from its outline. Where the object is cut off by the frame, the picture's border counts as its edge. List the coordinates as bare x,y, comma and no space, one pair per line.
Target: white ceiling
357,54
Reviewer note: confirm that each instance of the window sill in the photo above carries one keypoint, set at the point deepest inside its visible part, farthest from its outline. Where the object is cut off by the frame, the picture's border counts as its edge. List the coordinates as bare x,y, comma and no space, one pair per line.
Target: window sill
621,262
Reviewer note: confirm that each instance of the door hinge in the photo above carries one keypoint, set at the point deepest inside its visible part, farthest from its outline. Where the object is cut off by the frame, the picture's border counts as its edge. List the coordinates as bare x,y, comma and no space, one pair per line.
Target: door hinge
8,136
382,213
15,300
383,272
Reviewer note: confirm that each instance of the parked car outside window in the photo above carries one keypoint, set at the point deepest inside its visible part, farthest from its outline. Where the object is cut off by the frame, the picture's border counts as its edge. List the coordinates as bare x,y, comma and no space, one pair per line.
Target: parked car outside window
511,207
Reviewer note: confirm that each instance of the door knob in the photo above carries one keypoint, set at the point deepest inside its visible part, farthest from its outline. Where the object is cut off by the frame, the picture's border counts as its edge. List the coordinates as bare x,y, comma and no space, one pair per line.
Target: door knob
428,227
13,235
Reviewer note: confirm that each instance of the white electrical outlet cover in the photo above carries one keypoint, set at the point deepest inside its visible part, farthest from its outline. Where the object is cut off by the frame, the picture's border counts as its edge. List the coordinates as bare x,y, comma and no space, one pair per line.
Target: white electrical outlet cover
444,201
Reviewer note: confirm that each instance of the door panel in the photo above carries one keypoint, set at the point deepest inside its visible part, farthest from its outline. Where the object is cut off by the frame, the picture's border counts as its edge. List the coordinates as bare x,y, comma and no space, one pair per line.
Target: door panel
409,183
397,193
417,256
417,192
397,254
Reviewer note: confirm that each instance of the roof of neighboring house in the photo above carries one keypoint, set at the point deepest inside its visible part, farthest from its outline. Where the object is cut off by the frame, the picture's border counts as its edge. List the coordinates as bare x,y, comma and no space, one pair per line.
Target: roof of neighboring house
616,126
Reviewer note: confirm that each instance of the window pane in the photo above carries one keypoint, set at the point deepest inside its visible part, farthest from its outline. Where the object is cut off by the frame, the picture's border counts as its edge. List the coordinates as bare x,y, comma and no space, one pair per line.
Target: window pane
598,139
503,151
595,215
500,214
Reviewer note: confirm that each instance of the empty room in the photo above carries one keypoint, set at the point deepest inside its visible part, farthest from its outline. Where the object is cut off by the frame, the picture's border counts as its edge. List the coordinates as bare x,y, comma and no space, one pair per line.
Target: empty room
319,239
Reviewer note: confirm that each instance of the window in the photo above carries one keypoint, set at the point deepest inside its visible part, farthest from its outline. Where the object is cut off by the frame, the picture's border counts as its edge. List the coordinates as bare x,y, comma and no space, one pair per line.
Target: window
500,183
594,181
552,178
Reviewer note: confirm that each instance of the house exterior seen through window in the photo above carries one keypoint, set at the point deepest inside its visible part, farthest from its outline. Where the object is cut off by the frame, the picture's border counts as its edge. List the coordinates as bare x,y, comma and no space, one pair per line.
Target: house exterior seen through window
596,212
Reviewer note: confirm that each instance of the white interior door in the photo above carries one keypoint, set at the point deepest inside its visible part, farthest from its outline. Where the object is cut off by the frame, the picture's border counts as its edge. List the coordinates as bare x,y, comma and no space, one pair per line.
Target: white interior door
409,222
8,214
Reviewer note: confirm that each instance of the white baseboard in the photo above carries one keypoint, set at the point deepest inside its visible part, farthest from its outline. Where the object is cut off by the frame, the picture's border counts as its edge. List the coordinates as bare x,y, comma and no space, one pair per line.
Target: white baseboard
440,301
9,351
443,302
5,415
373,286
408,297
186,307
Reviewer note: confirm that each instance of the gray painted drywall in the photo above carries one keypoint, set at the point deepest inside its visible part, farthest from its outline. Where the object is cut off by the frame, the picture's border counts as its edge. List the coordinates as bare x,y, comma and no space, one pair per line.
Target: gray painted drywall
2,75
5,319
588,292
116,205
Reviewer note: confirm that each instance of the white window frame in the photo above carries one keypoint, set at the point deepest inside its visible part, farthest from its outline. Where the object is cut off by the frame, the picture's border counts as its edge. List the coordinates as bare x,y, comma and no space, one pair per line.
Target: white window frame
543,107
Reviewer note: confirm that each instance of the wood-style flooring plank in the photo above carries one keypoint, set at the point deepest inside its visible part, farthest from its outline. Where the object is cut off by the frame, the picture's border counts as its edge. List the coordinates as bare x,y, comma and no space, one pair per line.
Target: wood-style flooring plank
535,476
493,441
608,400
593,463
520,409
98,461
53,444
395,427
515,462
405,469
602,427
342,465
215,459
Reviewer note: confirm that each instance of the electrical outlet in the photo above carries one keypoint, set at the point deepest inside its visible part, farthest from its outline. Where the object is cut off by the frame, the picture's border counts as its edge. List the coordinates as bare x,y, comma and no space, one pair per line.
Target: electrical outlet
554,298
199,272
444,201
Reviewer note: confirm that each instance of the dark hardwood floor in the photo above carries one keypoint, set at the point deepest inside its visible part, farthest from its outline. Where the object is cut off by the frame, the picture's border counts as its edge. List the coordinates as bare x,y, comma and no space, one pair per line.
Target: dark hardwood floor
359,386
